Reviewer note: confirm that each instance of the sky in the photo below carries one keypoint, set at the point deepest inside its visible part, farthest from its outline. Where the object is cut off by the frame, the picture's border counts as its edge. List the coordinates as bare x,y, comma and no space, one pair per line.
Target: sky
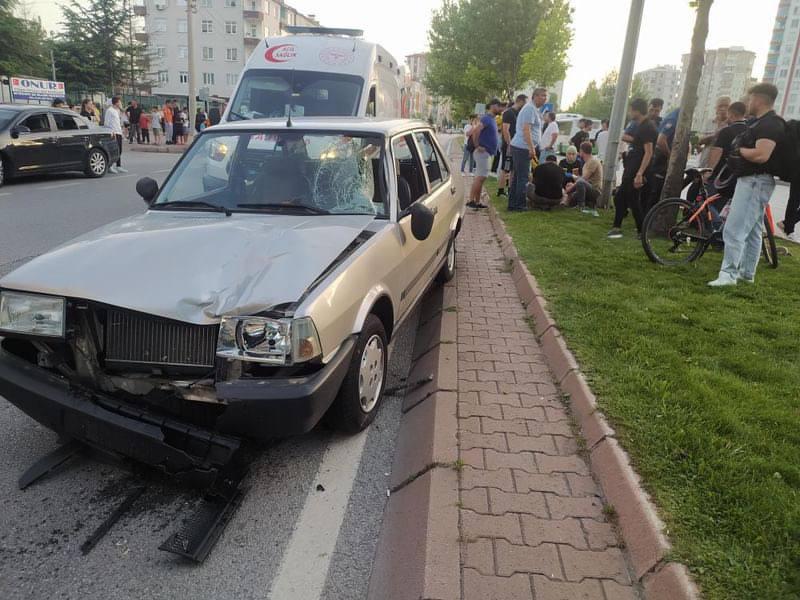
599,25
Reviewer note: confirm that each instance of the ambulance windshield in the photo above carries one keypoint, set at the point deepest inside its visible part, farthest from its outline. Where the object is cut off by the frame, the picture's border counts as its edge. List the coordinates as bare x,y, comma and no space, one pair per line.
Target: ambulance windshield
267,93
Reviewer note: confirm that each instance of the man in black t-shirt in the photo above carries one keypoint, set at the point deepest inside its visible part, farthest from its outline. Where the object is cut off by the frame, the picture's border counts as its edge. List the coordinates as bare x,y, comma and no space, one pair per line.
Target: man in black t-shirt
755,157
718,157
637,159
134,114
546,191
507,132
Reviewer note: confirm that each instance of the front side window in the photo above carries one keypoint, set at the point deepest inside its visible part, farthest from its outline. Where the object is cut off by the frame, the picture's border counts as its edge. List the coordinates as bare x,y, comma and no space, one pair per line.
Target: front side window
280,92
37,123
299,172
410,181
6,116
434,165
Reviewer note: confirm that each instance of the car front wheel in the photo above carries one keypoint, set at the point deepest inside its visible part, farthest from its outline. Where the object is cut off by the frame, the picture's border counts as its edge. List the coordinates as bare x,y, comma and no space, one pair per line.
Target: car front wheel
362,390
3,171
96,163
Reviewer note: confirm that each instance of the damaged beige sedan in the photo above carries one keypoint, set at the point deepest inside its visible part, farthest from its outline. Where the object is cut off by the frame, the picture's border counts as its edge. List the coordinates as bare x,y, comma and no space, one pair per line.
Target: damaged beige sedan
257,293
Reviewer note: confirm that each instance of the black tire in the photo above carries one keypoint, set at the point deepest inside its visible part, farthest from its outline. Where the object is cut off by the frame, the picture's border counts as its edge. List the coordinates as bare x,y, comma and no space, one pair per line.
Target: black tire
348,413
96,163
668,238
4,171
768,247
448,270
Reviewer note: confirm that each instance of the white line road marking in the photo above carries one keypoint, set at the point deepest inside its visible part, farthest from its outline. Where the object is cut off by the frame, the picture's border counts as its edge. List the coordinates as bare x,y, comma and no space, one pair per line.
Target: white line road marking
60,185
305,563
163,171
5,193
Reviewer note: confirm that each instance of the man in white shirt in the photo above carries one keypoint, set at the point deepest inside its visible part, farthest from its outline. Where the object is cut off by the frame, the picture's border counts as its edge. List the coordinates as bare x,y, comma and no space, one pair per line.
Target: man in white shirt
549,137
601,140
113,120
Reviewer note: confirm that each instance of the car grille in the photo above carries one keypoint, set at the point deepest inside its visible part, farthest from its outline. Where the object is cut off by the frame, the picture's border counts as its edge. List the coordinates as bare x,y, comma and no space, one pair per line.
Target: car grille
133,337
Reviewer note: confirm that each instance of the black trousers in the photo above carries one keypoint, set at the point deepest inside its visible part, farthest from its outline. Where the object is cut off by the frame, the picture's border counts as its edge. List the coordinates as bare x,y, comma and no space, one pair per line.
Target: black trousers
792,215
628,197
119,144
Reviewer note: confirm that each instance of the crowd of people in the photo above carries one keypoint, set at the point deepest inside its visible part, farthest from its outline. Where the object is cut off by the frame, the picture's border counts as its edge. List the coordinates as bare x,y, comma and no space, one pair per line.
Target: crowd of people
743,153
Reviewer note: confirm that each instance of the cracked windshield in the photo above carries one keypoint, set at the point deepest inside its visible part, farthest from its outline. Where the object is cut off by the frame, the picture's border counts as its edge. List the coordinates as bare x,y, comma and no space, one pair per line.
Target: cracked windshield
311,172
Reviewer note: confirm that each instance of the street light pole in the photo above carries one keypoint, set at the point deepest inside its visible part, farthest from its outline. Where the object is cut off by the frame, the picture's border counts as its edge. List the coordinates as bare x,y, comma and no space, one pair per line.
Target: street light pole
619,111
191,10
53,63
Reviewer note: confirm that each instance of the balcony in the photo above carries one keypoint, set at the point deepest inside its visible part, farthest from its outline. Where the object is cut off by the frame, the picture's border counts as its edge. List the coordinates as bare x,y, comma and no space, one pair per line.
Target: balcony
140,10
255,15
251,40
141,36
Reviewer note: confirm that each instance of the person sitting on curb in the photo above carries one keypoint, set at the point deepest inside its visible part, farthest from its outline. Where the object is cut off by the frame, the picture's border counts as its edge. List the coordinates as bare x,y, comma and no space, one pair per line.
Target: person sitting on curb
586,189
571,165
546,192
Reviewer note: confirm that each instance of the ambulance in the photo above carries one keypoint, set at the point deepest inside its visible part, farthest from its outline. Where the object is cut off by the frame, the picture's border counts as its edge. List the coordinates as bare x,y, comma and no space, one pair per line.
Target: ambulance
317,72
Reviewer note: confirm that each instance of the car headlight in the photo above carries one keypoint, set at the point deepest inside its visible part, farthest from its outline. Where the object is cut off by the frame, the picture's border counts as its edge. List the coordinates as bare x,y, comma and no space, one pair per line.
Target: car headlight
31,314
268,341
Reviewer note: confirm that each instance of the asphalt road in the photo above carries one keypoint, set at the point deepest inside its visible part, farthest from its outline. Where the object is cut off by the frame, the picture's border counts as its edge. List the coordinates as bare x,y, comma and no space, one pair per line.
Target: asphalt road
314,500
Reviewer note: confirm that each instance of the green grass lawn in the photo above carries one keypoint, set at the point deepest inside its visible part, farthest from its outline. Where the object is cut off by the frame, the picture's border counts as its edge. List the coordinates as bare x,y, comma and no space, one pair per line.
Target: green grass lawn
702,385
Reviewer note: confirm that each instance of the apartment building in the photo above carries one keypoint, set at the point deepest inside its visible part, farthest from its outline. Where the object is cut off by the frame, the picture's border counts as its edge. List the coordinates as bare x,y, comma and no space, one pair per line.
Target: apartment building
783,61
225,32
663,81
726,72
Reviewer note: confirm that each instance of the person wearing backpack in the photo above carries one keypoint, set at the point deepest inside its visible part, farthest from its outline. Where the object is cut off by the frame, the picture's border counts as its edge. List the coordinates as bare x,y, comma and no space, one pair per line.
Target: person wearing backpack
756,159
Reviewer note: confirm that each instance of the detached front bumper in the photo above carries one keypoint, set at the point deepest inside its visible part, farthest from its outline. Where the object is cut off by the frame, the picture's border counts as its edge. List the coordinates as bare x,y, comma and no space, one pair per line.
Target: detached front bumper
254,408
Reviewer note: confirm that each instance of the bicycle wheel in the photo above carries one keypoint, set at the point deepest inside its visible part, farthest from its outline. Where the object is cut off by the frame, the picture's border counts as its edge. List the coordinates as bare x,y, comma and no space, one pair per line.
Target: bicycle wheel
669,237
768,247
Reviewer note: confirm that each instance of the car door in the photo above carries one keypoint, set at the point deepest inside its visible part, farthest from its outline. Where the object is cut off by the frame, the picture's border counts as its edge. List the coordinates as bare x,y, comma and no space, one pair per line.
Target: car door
442,193
72,142
412,187
34,150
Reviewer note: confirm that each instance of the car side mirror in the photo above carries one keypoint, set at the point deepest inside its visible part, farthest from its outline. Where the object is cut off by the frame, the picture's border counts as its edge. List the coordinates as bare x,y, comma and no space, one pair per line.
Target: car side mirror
147,188
16,131
421,221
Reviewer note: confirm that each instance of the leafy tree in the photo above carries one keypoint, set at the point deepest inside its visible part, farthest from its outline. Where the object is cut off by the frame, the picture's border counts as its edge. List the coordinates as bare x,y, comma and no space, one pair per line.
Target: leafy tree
21,44
597,101
476,48
89,53
546,61
680,144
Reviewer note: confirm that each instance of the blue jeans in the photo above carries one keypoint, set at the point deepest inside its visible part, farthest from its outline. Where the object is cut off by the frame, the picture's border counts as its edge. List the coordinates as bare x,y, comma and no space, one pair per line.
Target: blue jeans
521,161
742,232
467,157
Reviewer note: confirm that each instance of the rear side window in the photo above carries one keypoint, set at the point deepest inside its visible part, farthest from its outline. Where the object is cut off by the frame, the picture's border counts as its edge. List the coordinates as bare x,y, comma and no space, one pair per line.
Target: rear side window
434,165
65,122
37,123
410,182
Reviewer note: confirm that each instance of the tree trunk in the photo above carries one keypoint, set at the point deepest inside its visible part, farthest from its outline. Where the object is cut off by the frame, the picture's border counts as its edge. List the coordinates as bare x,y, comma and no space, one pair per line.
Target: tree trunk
680,145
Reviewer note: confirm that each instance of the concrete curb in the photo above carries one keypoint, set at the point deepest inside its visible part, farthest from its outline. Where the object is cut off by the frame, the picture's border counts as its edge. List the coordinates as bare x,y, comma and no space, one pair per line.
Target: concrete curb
640,527
418,554
155,149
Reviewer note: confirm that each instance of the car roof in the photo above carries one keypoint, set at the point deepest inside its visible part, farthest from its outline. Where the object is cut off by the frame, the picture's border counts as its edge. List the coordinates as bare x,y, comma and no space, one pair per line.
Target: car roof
24,107
387,127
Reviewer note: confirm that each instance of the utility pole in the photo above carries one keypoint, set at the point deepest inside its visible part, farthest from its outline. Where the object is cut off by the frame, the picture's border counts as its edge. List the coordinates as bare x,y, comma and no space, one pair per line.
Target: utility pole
619,111
191,10
53,63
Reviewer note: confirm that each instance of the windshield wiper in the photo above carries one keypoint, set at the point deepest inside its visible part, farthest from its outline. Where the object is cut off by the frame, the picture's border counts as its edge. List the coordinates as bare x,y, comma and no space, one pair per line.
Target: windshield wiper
312,210
193,204
238,116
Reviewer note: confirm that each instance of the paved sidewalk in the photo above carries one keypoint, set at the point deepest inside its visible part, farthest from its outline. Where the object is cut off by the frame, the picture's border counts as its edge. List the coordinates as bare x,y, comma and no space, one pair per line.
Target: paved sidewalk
532,521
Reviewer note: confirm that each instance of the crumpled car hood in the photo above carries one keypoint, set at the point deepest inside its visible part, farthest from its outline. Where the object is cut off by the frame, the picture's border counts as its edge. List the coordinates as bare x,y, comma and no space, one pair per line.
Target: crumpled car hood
193,267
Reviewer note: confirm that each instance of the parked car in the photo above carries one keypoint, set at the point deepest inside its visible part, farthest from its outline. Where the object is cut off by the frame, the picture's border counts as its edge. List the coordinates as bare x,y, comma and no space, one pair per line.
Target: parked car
39,139
246,301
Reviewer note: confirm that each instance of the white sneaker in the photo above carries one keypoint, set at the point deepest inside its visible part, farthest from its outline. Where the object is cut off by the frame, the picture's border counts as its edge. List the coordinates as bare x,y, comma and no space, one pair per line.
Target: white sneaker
112,169
746,279
794,237
121,170
723,280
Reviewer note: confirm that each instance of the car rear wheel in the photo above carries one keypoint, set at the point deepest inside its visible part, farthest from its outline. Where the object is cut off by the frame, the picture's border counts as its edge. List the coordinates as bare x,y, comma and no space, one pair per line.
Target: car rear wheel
96,163
448,270
362,390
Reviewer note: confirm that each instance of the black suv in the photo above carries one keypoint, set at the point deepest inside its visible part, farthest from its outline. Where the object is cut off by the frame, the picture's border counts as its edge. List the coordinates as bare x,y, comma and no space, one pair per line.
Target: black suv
40,139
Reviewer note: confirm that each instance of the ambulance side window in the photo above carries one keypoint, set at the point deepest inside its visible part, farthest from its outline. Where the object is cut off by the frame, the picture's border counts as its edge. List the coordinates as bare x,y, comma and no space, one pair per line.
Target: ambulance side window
371,103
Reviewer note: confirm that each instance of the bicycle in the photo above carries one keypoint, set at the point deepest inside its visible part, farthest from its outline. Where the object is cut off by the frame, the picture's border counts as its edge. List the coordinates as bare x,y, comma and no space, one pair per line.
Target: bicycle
676,231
